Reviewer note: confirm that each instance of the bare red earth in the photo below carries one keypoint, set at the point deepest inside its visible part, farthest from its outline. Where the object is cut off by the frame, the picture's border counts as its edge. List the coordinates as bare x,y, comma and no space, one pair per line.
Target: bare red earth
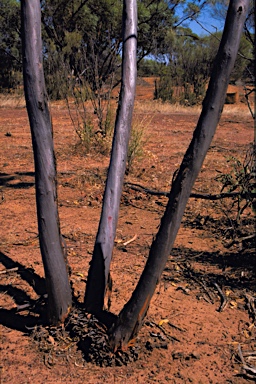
185,339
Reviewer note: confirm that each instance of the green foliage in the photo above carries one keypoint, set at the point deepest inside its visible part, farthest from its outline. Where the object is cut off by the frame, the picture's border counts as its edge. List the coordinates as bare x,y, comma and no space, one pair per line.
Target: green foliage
241,182
189,65
164,89
86,38
147,68
136,143
109,121
82,46
85,132
244,58
10,45
155,19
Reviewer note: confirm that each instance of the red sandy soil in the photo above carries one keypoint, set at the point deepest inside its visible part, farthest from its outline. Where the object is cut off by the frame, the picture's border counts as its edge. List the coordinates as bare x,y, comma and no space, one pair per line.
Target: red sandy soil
185,338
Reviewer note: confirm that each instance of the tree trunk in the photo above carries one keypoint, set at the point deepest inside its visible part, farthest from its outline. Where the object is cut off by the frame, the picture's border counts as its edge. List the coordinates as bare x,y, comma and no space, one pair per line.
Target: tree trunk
133,313
100,265
58,288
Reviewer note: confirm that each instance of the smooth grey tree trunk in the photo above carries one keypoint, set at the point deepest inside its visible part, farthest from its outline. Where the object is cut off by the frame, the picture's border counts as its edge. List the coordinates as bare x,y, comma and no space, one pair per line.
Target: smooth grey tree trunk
100,265
58,288
133,313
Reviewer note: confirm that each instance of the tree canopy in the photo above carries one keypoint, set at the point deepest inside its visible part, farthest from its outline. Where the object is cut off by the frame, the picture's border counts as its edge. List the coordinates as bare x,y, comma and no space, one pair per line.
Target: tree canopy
82,41
10,44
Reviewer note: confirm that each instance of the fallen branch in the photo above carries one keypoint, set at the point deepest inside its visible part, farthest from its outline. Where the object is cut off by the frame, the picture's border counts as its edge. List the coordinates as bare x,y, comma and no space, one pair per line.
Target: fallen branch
240,240
204,196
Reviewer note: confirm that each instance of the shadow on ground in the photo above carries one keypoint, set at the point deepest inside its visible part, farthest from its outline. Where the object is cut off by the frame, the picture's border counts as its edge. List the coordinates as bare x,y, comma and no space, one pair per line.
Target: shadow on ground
12,318
236,270
9,181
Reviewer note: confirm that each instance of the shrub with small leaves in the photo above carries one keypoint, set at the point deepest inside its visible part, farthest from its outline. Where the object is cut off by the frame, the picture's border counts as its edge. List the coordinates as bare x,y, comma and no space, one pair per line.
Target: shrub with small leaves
240,182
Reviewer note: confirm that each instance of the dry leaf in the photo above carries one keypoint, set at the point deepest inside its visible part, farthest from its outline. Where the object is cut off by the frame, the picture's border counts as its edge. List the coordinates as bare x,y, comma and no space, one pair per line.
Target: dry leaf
51,339
161,322
233,304
246,334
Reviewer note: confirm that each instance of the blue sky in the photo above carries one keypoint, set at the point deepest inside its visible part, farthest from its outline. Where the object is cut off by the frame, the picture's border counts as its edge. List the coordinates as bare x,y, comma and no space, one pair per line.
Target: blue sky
206,20
208,23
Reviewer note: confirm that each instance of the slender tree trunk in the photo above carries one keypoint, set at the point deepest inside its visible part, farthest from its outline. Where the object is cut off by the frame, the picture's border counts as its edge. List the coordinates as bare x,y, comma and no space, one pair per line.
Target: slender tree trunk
58,288
100,265
133,313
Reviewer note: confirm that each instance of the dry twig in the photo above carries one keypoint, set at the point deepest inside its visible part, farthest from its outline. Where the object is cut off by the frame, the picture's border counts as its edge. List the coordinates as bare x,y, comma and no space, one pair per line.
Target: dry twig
130,241
9,270
250,372
251,303
224,300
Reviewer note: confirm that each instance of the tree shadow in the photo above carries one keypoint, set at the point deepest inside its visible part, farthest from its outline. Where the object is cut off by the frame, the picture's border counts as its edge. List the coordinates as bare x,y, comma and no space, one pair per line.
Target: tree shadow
236,270
6,179
35,308
37,313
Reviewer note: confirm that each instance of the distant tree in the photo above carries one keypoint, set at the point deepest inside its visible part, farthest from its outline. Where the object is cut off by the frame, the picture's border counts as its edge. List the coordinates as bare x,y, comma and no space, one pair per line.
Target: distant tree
188,68
82,46
10,45
149,67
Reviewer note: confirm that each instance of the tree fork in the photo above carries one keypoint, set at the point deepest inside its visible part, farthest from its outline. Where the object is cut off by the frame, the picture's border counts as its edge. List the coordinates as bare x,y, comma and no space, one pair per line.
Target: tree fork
57,283
130,318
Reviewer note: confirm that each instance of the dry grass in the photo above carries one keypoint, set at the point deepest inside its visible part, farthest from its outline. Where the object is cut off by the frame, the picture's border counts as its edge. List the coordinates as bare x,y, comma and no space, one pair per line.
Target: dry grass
141,106
155,106
12,101
239,109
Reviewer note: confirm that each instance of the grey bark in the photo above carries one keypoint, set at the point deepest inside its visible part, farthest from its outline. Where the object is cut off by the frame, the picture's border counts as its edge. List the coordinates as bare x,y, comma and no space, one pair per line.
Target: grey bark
100,265
58,288
131,317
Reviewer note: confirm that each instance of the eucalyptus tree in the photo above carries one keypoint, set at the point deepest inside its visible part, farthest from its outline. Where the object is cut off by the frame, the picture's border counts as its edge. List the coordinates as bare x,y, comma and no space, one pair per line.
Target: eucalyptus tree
189,66
131,317
57,282
98,276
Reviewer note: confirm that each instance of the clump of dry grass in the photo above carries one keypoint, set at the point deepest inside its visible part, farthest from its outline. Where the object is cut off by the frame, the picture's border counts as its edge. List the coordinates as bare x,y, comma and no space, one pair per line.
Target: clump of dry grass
12,101
156,106
237,109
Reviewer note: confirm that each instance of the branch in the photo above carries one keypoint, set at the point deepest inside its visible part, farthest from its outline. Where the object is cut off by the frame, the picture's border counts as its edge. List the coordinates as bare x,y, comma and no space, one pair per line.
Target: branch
247,94
10,55
218,39
206,196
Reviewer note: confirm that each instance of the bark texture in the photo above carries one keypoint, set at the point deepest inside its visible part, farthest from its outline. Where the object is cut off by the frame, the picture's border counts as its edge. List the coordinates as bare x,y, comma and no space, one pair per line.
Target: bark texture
133,313
98,276
57,282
